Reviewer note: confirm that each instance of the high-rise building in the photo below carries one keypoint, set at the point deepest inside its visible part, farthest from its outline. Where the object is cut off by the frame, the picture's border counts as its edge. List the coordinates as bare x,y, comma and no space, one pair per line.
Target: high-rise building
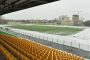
75,19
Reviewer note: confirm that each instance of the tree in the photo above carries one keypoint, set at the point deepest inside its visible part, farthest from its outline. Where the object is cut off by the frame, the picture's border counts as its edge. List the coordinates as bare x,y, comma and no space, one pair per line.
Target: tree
87,23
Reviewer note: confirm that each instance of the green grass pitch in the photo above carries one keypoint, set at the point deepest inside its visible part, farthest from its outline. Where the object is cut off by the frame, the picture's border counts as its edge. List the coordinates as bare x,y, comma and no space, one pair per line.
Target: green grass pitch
49,29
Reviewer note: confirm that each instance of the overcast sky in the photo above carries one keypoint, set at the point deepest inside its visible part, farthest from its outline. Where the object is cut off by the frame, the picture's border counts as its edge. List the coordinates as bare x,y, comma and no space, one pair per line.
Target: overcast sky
52,10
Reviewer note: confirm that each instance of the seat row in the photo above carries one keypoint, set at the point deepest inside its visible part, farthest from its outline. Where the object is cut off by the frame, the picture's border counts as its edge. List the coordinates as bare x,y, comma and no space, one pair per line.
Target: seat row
36,51
6,54
17,54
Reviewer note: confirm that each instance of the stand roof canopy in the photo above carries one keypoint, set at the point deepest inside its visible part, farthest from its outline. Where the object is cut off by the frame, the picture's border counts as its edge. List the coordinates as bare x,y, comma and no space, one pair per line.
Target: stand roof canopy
7,6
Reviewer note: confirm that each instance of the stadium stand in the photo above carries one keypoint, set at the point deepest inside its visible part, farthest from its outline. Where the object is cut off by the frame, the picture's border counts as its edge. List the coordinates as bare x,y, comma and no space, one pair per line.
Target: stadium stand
6,53
22,49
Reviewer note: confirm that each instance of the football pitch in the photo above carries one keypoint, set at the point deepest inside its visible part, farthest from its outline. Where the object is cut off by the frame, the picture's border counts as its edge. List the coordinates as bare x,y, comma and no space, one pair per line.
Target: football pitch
49,29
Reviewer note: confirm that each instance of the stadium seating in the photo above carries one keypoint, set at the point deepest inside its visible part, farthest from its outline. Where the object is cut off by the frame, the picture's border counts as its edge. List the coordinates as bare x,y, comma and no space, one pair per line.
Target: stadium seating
23,49
6,53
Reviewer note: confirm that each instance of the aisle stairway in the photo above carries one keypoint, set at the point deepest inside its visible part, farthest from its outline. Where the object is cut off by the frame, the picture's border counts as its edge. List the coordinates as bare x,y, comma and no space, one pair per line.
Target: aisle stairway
20,49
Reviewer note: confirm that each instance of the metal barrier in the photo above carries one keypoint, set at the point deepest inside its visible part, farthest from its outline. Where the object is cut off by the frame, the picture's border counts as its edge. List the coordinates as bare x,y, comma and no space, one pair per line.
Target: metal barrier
53,38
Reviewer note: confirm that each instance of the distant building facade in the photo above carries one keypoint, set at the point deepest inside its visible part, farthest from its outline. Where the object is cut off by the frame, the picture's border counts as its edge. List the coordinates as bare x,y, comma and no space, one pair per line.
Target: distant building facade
62,20
75,21
66,21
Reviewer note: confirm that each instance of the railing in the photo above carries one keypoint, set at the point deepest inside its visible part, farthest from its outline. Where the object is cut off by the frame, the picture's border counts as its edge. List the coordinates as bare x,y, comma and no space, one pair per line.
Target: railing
53,38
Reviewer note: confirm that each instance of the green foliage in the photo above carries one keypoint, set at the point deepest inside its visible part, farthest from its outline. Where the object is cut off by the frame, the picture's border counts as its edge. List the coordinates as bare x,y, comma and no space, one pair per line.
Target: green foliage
87,23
